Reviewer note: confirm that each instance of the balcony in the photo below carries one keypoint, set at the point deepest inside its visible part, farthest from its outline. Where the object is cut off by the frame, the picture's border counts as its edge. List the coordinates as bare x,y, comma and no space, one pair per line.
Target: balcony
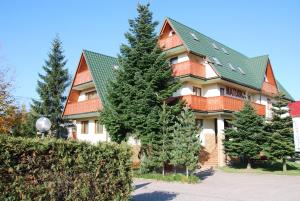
188,68
170,42
86,106
220,103
82,77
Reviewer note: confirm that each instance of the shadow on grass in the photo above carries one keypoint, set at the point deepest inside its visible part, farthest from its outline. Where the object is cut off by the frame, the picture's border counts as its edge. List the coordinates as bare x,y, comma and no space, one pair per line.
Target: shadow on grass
265,166
155,196
204,174
141,185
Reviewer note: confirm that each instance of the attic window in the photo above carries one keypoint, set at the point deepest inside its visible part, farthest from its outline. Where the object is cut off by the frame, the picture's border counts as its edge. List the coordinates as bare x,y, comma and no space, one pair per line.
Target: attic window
224,50
215,46
116,67
241,71
231,66
194,36
171,33
217,61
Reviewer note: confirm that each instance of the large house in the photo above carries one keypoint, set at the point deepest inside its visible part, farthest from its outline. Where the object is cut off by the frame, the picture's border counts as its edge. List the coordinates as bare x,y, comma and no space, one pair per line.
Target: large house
216,81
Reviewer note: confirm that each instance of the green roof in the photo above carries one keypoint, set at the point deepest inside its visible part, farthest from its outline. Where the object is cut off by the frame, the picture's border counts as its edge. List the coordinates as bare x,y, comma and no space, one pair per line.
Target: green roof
102,70
252,69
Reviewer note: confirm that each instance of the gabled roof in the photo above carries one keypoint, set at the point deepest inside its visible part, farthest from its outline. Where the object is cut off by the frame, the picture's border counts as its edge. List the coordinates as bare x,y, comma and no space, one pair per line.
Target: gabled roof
102,70
254,68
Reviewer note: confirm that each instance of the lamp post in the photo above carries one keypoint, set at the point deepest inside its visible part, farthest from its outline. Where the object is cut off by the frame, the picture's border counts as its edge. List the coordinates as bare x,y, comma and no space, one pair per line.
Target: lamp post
43,125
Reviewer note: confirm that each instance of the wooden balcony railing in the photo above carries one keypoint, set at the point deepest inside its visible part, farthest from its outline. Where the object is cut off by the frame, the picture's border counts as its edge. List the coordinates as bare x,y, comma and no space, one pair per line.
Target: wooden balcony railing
269,89
170,42
220,103
82,77
86,106
188,68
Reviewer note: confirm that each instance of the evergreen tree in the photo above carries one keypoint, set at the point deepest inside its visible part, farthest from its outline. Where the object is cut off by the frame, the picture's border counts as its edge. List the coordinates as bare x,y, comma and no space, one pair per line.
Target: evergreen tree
51,88
143,81
186,142
247,137
161,144
280,142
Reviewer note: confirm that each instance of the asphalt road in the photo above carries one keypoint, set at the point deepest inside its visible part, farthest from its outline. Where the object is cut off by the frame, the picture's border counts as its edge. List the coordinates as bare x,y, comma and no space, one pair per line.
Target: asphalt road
220,186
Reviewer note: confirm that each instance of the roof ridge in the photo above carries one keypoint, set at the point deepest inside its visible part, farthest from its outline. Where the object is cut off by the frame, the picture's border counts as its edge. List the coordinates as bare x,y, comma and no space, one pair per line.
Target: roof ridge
265,55
209,38
85,50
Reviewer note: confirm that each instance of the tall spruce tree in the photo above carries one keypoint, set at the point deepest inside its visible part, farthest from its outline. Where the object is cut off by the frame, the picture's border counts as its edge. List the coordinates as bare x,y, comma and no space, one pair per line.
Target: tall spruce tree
143,81
51,88
246,137
280,132
162,143
186,142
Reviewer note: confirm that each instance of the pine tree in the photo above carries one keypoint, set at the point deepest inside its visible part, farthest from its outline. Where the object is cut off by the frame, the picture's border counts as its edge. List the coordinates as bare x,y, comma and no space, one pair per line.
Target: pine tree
51,87
143,81
247,137
161,145
280,142
186,142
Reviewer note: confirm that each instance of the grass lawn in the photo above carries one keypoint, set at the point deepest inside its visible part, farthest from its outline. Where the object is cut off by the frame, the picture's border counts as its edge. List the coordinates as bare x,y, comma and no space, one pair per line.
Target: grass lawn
293,168
168,177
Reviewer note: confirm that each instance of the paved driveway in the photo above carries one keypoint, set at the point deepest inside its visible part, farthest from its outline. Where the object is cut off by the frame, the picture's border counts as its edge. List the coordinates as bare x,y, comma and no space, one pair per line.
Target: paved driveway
220,186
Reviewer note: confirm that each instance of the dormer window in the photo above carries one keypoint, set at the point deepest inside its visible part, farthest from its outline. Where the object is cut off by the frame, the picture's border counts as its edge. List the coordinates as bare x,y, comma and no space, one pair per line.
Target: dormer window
194,36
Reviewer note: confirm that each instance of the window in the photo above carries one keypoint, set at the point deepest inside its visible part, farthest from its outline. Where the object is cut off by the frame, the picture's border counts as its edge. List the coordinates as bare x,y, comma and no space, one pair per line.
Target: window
197,91
224,50
171,33
174,60
266,78
98,127
241,71
91,95
215,46
84,127
222,91
216,60
231,66
199,123
194,36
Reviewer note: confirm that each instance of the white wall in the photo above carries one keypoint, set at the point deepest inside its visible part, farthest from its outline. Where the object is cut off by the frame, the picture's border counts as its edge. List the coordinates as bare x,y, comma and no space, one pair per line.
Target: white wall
82,96
185,89
211,90
296,127
183,58
209,71
91,136
208,128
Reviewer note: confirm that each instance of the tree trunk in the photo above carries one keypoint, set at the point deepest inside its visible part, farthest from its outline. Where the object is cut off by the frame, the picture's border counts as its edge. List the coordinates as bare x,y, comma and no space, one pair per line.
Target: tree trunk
163,170
249,164
175,170
284,164
187,172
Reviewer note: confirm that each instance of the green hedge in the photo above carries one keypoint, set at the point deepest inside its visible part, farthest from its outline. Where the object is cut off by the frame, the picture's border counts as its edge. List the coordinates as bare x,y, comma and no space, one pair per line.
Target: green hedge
34,169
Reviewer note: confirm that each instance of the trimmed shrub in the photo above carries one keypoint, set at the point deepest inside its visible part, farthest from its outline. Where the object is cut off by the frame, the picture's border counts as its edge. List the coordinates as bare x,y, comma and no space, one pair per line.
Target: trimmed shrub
50,169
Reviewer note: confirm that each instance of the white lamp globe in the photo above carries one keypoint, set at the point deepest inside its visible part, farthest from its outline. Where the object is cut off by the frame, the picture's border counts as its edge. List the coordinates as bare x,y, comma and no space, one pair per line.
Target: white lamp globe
43,124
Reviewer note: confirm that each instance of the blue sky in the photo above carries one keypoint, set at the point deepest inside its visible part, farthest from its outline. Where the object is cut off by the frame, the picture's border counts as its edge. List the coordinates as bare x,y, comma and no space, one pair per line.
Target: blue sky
253,28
